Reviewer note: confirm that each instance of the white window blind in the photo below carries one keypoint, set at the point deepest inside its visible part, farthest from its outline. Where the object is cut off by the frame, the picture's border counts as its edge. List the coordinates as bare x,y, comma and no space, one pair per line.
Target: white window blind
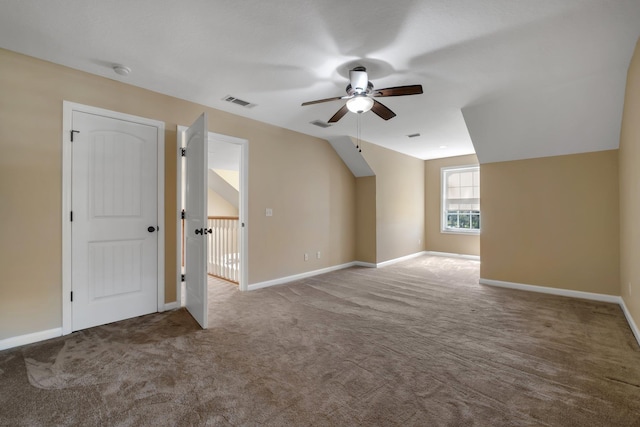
461,199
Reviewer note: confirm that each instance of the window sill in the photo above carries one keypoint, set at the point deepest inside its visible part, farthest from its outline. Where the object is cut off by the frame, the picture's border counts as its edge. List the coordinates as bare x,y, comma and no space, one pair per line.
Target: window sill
463,232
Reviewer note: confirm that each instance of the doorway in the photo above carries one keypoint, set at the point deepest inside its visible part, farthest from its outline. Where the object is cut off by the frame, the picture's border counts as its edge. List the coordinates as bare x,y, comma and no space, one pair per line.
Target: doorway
227,202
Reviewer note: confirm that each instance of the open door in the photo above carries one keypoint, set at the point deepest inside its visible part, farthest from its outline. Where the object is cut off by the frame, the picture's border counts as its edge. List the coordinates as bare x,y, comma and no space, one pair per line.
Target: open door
195,228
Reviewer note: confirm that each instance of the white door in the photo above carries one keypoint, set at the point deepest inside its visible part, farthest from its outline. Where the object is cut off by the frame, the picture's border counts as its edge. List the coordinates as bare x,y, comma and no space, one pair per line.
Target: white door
196,220
114,228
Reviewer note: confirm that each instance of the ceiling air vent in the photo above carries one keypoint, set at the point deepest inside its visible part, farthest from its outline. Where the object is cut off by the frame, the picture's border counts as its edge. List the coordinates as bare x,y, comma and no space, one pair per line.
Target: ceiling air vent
320,123
237,101
413,135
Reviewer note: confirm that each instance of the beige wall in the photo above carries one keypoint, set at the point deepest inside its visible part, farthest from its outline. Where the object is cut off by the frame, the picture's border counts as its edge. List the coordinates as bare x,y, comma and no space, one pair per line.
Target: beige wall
312,196
435,240
569,203
399,202
366,219
552,221
218,206
310,190
629,158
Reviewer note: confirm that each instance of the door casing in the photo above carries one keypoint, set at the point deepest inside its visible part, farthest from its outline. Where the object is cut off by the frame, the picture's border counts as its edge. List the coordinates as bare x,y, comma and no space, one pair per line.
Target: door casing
67,115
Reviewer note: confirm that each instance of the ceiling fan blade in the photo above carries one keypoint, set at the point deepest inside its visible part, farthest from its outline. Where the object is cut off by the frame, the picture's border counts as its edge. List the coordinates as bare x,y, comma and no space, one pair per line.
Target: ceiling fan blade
340,114
399,91
322,100
382,110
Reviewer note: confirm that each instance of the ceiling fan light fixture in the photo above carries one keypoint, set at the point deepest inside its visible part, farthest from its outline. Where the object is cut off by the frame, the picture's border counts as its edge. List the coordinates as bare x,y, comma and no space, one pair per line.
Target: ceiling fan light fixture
360,104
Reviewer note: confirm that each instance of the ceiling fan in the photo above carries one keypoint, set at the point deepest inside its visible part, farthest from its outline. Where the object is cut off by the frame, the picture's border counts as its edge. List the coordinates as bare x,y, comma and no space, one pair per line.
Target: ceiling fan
360,96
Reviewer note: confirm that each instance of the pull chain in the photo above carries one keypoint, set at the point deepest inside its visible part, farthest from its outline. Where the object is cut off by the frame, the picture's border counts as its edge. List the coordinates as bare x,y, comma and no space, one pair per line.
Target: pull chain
358,133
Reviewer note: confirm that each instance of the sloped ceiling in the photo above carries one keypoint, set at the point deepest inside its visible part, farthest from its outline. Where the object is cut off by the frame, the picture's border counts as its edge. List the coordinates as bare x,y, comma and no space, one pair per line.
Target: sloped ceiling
581,115
225,190
493,71
351,156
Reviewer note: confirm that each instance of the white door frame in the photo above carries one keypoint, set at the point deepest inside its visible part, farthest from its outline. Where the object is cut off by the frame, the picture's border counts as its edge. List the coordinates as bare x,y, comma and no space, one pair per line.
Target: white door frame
243,212
67,117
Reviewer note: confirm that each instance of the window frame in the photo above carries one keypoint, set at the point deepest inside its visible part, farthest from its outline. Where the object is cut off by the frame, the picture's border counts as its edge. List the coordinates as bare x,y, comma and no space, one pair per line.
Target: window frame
443,200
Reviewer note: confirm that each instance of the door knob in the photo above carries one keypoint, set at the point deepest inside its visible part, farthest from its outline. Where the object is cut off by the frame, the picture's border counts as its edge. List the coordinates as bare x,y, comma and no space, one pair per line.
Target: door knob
207,231
199,231
151,229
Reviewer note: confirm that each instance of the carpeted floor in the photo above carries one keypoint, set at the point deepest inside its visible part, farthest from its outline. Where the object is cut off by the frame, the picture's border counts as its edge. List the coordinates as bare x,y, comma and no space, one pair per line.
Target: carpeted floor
415,343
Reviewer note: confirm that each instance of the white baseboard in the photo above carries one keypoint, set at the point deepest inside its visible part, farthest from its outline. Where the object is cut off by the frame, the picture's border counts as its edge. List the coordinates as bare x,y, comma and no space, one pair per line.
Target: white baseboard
365,264
417,254
615,299
11,342
171,306
288,279
553,291
403,258
630,321
451,255
30,338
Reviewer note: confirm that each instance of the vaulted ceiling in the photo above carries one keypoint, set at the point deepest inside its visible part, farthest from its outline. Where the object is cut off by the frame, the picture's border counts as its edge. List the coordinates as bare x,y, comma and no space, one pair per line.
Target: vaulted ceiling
511,79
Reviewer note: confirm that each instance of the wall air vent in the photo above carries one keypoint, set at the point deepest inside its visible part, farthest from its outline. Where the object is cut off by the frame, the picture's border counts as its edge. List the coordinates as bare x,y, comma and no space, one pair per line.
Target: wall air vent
413,135
320,123
237,101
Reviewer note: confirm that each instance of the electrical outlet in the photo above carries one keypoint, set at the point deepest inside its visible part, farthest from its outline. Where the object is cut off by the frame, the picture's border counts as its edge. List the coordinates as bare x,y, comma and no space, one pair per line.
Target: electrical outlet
318,254
268,212
306,256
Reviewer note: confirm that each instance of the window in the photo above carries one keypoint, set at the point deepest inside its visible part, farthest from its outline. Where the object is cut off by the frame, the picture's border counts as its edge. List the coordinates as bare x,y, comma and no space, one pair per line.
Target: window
461,199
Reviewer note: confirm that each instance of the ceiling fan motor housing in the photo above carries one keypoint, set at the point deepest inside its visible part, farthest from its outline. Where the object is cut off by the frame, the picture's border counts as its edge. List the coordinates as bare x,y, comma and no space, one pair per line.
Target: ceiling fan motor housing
359,80
351,91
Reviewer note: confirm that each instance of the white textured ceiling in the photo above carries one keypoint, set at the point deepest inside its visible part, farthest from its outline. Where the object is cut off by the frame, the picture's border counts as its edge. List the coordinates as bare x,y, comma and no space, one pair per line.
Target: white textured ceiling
467,54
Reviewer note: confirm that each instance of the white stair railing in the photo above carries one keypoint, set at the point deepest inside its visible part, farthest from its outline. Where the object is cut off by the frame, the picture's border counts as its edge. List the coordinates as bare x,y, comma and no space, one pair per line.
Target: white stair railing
223,252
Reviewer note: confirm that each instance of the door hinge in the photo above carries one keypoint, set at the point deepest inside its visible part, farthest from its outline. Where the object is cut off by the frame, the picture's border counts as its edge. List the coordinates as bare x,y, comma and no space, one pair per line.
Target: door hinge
182,214
72,132
71,216
71,296
243,224
182,279
183,152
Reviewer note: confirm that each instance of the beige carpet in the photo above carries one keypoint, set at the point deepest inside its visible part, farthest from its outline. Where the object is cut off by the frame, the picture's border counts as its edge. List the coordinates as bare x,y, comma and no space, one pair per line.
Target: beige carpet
416,343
